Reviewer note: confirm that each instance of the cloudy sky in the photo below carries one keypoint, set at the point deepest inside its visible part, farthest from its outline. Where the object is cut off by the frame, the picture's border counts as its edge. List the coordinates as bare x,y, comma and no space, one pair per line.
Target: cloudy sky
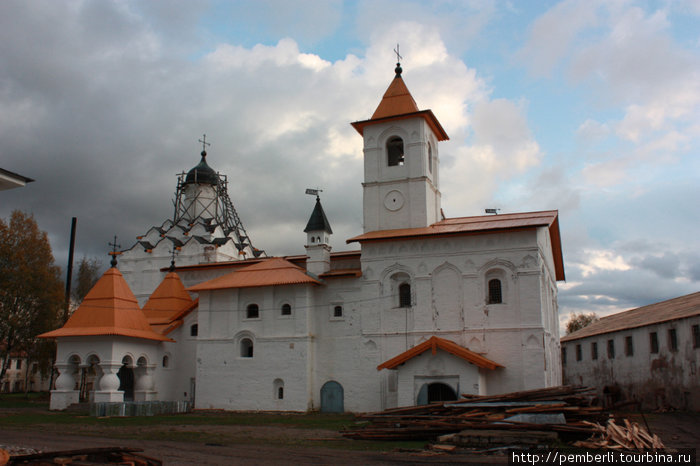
589,107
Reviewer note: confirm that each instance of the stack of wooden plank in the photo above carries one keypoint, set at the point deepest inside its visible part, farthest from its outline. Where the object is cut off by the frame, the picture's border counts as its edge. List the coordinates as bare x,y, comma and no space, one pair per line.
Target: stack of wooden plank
631,436
564,410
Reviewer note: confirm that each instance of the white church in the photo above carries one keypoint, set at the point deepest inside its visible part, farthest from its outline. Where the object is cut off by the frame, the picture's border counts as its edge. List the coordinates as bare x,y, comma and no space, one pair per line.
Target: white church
426,308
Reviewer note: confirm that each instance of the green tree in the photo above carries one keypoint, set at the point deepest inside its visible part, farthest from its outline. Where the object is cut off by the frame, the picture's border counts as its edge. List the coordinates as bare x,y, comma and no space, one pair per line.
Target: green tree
578,321
31,291
86,277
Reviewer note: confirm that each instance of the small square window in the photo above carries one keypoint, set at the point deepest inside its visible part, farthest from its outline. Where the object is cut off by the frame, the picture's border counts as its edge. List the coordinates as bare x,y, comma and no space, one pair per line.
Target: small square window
252,311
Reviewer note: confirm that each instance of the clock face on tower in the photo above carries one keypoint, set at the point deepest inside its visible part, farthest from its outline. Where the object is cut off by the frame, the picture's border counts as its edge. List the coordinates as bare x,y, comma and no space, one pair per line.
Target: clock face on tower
393,200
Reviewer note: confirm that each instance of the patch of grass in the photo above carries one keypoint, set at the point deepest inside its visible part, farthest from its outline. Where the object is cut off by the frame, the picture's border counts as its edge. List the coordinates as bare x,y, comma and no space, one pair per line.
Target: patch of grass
24,400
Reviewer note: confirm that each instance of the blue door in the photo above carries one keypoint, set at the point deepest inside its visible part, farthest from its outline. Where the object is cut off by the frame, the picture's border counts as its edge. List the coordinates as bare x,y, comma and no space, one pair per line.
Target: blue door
332,398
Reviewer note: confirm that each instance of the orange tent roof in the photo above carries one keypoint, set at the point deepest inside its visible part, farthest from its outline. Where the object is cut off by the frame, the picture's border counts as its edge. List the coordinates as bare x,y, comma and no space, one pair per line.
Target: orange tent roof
110,308
168,300
433,343
272,271
478,225
397,104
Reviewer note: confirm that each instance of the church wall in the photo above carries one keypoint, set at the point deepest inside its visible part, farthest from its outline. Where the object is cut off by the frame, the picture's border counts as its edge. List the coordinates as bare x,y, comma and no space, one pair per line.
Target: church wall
341,352
449,278
441,367
173,380
227,377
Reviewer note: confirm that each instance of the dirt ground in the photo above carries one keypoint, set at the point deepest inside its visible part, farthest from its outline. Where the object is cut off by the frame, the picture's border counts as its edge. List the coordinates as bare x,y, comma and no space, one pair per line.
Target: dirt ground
260,445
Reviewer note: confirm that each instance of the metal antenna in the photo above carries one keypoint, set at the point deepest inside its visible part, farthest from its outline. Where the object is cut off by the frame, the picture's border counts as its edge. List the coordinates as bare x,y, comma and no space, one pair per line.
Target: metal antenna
114,252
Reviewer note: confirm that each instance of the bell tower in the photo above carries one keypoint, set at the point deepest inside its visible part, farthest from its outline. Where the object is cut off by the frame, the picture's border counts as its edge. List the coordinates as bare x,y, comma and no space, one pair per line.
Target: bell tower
401,187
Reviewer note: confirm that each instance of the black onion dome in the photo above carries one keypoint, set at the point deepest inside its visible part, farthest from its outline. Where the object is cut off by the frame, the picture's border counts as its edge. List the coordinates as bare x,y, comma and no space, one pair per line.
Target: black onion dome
202,173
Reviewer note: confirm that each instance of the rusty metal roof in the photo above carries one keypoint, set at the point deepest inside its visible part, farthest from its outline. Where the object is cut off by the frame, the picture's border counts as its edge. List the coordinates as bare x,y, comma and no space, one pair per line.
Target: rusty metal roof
168,300
433,343
268,272
110,308
397,104
673,309
478,225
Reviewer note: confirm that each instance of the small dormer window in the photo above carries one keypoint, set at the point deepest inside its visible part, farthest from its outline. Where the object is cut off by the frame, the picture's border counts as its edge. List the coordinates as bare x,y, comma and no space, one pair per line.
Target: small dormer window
394,149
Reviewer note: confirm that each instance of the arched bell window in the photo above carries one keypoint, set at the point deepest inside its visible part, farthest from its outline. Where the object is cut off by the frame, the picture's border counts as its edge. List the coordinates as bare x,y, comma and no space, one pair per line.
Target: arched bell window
394,150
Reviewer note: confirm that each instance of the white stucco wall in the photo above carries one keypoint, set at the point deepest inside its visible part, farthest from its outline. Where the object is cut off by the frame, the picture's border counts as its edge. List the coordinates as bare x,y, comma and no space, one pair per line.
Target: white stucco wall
657,380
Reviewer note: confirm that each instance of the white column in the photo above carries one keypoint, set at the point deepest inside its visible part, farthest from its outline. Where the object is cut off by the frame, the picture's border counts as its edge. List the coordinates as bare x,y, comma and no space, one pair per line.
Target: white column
65,394
109,383
144,386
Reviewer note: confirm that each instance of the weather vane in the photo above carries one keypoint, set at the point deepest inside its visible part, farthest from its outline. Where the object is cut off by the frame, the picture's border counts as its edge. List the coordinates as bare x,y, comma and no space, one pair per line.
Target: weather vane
114,252
314,192
204,143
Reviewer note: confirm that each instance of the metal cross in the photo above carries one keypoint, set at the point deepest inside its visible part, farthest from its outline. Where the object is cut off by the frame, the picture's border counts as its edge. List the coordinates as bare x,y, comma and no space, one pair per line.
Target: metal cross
114,246
398,55
114,252
204,142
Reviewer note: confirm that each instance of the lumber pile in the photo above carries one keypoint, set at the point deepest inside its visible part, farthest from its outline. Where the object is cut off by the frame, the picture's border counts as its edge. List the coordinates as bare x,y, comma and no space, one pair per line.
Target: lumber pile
87,456
631,436
544,415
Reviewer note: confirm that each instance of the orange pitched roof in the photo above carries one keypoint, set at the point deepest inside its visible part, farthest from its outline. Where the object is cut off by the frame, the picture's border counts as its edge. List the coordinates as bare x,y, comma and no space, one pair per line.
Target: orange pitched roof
272,271
672,309
397,104
478,225
168,300
110,308
433,343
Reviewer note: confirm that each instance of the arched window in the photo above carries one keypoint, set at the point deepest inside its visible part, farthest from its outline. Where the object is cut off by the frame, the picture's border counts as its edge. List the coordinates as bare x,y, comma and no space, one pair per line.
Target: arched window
194,330
338,311
404,295
286,309
430,158
166,361
394,150
495,291
246,348
252,311
278,386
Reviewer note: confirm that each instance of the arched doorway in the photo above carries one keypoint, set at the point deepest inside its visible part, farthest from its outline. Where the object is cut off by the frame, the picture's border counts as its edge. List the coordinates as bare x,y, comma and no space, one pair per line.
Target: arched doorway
434,392
332,398
126,378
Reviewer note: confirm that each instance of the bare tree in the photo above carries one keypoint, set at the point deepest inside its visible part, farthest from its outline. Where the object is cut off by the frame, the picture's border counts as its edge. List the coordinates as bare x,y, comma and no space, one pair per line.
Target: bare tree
87,276
578,321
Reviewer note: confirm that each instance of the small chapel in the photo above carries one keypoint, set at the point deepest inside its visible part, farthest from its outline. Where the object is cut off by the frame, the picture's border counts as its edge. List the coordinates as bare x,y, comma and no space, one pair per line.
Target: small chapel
424,309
